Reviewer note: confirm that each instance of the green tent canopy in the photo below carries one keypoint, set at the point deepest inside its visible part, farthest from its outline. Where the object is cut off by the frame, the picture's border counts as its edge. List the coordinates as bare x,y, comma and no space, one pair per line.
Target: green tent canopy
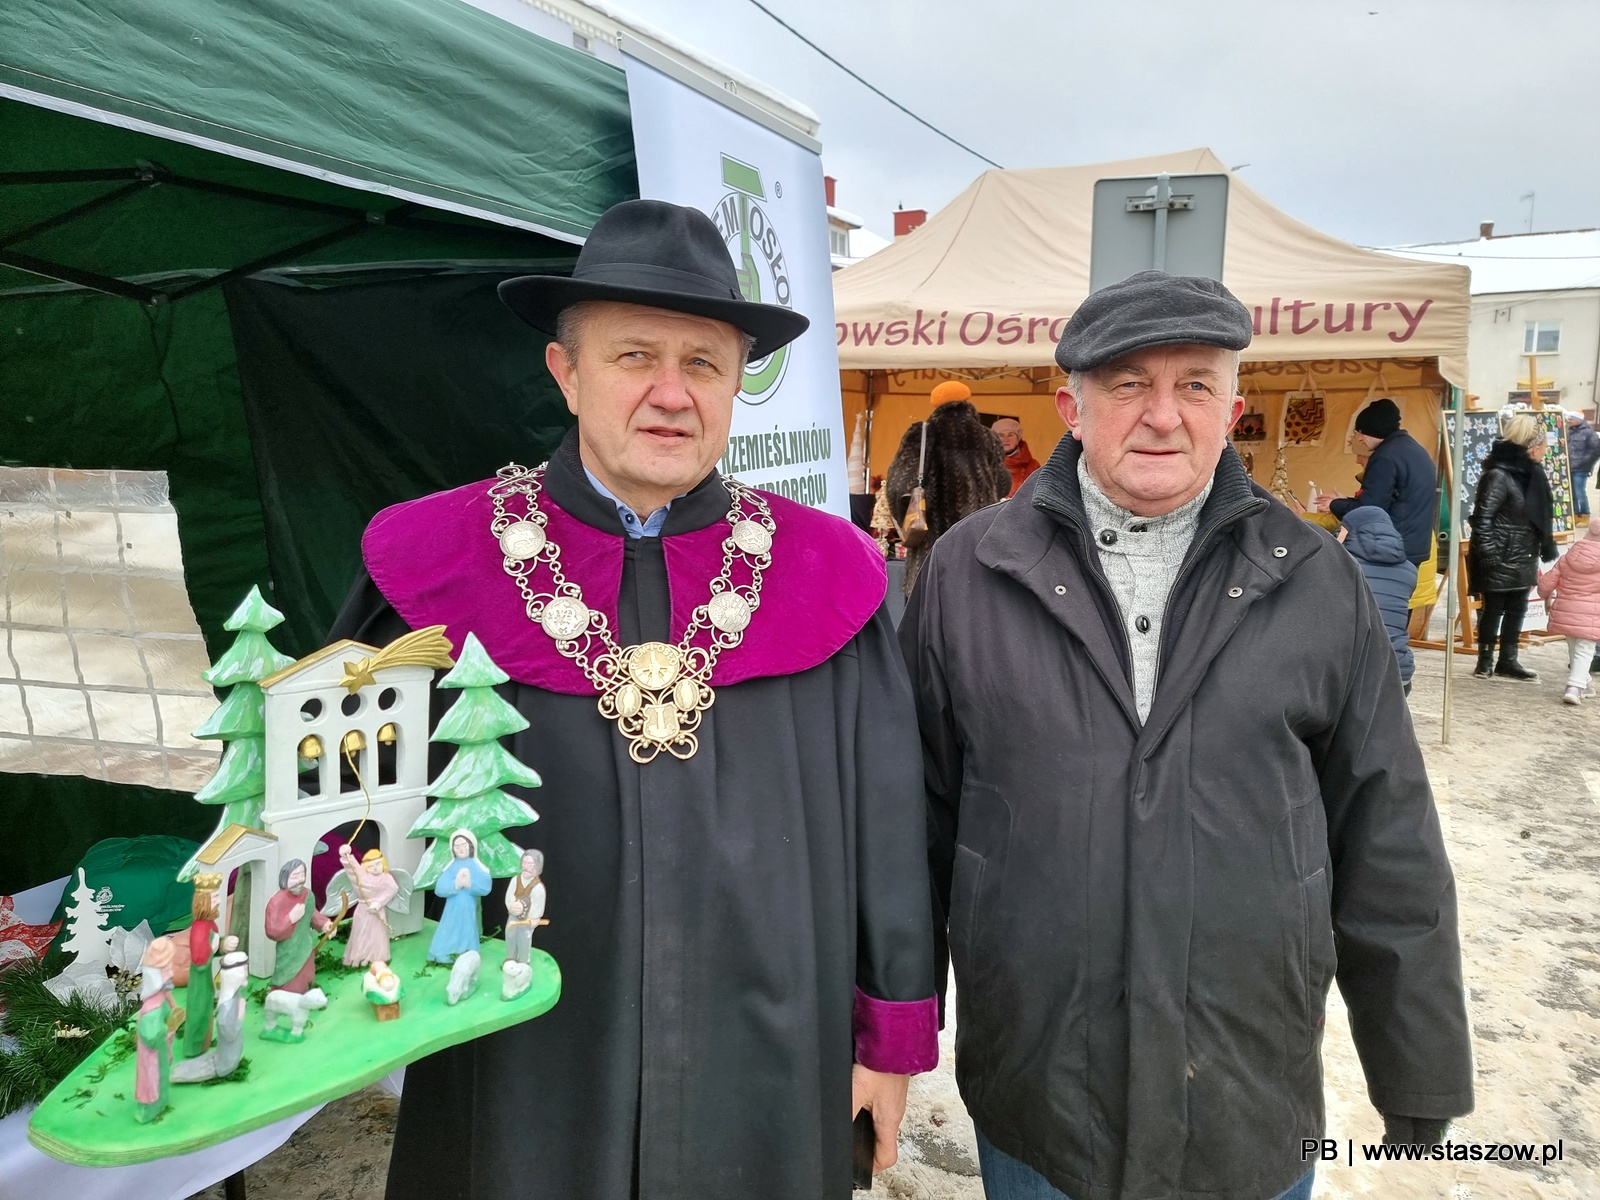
255,246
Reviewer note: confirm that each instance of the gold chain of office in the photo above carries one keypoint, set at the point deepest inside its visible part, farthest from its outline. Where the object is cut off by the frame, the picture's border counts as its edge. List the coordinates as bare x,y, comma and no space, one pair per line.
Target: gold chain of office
655,692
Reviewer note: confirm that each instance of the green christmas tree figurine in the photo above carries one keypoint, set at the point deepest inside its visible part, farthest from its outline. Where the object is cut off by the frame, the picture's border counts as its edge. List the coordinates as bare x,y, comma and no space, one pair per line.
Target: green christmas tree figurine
240,779
468,791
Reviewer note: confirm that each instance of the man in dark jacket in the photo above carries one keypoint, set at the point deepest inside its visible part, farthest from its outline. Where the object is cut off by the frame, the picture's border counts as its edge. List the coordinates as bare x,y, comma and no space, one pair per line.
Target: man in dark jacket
1400,479
1174,792
1583,451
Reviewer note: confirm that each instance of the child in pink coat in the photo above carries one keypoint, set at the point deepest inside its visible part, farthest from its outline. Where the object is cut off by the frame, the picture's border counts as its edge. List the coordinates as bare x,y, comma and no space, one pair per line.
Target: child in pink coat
1574,582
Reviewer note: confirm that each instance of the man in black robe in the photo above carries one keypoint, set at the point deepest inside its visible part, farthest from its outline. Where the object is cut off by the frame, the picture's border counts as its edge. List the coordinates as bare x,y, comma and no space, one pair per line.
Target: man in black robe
741,920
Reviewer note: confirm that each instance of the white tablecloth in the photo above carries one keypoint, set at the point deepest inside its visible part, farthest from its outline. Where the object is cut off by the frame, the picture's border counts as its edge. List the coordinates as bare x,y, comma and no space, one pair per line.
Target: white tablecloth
27,1173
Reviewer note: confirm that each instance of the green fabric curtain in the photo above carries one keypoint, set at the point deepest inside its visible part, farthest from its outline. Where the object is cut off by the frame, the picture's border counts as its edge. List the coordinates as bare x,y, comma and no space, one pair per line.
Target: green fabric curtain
359,397
52,820
431,98
317,146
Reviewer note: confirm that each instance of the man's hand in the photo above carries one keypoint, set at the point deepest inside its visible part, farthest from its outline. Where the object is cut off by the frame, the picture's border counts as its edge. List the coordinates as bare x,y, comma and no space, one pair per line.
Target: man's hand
1325,501
1413,1131
884,1096
295,913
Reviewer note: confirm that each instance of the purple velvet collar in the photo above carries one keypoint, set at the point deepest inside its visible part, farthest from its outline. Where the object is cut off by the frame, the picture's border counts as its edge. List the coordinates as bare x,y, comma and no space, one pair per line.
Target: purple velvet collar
435,561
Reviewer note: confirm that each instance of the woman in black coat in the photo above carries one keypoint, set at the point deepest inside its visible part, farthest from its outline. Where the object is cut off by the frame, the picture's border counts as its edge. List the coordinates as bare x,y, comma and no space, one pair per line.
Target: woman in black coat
1510,534
963,469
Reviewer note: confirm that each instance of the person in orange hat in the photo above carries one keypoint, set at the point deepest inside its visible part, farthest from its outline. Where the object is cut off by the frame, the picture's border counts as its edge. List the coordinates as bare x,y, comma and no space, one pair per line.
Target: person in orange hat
955,460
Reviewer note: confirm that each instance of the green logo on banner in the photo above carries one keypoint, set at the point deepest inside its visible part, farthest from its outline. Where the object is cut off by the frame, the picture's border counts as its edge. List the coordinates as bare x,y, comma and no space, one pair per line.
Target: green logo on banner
758,260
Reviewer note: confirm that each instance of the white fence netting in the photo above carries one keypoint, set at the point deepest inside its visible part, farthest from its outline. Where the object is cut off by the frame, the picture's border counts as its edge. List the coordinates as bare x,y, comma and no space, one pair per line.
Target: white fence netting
102,655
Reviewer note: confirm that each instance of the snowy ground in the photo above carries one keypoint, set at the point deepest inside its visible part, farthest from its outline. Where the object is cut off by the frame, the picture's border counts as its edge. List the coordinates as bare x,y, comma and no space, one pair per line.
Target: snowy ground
1519,796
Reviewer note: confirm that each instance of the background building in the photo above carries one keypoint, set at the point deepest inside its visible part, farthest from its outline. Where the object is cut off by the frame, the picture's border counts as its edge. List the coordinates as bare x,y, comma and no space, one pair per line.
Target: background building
1533,293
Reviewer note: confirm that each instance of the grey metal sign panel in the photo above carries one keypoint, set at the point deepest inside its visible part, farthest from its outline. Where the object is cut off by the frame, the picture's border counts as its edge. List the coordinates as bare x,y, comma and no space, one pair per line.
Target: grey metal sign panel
1173,223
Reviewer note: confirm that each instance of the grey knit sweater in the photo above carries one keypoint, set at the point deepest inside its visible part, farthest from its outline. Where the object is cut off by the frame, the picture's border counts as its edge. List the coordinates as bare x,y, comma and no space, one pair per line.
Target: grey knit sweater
1141,557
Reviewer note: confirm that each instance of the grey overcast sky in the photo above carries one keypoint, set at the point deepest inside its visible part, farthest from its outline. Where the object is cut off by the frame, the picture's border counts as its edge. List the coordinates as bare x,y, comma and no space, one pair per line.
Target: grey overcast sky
1378,121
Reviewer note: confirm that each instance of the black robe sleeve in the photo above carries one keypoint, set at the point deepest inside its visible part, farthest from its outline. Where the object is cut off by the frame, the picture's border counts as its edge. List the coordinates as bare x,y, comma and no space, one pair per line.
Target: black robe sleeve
894,949
941,756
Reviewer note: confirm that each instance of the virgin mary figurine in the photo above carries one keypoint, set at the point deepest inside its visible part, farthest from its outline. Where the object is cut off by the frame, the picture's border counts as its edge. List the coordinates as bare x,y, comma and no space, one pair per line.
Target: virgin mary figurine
462,883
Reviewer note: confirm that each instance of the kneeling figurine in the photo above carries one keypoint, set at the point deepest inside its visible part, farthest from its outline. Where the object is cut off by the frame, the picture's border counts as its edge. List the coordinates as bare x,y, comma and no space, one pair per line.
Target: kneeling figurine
222,1059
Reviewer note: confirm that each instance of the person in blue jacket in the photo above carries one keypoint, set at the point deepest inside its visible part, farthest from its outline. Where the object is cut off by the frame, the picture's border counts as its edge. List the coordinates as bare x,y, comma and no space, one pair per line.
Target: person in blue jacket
1400,479
1376,545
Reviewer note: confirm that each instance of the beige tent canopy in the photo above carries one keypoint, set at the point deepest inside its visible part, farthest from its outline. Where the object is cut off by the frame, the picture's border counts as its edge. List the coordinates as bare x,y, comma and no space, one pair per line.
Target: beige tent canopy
981,292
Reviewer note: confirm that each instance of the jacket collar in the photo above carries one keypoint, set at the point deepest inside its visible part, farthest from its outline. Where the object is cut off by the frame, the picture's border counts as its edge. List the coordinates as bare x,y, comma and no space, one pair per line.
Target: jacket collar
1058,493
1041,538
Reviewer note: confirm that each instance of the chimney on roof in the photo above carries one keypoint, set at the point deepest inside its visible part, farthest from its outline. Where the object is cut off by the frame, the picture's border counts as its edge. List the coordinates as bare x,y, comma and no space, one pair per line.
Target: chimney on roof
829,183
1485,229
907,219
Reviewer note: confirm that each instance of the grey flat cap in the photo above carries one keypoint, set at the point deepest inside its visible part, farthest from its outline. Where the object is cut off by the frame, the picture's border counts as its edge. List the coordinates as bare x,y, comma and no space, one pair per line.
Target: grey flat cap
1152,308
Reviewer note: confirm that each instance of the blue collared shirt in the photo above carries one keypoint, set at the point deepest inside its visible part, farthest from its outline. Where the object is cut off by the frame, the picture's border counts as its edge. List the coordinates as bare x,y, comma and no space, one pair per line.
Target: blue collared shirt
631,524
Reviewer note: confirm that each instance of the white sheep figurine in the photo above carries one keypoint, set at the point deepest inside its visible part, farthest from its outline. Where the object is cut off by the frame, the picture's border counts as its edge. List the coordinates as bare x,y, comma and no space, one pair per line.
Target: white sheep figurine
296,1006
463,977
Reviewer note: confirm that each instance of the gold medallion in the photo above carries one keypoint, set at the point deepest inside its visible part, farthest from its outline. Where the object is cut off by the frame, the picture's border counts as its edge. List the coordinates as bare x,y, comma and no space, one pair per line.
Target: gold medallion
654,665
656,693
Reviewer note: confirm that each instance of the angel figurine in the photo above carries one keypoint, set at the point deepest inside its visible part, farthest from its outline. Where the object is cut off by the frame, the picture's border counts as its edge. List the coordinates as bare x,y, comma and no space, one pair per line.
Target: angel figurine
376,891
463,883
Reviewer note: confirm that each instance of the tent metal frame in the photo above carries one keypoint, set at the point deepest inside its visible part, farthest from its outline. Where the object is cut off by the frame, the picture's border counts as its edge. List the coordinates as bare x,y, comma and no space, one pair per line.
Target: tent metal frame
140,178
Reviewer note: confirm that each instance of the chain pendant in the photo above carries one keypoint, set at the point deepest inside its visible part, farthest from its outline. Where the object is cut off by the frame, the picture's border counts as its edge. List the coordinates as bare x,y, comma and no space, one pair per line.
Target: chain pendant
655,693
656,701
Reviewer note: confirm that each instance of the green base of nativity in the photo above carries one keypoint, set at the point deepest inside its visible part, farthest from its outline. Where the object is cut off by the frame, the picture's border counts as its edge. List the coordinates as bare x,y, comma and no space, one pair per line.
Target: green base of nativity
89,1119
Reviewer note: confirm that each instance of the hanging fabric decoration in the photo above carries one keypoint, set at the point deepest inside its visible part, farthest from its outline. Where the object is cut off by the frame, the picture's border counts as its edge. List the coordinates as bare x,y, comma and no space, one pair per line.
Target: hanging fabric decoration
1305,416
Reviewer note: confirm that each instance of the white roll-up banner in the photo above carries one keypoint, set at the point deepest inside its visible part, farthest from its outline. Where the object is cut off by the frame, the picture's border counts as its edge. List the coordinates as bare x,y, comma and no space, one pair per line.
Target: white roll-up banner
765,194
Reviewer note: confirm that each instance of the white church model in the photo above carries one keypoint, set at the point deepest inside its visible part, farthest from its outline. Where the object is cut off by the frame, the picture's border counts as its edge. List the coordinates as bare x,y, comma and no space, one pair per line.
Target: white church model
345,740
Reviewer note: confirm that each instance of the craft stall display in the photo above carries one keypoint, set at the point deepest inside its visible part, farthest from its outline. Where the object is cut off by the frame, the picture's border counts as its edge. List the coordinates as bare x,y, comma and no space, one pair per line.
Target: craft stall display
1482,428
228,1004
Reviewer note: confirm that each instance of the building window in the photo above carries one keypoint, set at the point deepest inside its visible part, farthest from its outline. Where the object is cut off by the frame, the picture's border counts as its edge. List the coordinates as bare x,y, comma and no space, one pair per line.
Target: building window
1541,337
839,242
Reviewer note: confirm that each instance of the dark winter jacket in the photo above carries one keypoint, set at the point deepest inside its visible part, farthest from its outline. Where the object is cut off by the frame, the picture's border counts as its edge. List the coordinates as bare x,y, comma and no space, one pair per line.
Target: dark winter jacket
1401,480
1144,919
1374,542
1510,522
1583,446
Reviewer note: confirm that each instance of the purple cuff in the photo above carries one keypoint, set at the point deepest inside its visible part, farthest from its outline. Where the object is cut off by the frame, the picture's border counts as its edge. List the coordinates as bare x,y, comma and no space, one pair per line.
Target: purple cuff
897,1037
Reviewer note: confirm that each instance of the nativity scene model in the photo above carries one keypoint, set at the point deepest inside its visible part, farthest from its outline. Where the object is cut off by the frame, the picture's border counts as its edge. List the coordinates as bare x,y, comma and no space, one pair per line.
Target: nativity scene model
330,748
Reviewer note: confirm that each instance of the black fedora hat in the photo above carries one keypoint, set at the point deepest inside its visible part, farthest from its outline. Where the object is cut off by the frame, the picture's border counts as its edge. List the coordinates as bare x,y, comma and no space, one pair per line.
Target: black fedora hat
658,254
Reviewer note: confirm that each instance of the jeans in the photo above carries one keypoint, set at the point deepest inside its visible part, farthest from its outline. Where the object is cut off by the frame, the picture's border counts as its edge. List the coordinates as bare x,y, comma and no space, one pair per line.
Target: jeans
1580,492
1004,1178
1581,655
